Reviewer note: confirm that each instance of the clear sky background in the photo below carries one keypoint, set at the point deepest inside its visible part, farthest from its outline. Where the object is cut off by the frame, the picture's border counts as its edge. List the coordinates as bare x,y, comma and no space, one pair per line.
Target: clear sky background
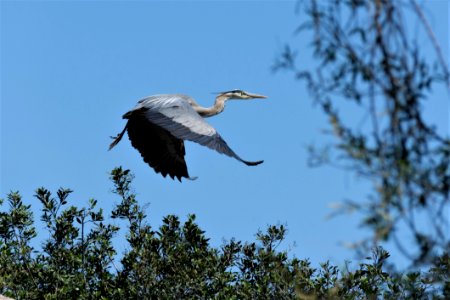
69,70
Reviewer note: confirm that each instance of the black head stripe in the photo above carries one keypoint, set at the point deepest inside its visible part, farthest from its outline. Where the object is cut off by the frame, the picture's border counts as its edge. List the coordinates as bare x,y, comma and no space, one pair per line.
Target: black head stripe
234,91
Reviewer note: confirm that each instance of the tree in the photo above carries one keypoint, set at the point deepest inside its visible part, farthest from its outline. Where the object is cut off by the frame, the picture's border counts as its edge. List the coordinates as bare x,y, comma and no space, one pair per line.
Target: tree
175,261
367,59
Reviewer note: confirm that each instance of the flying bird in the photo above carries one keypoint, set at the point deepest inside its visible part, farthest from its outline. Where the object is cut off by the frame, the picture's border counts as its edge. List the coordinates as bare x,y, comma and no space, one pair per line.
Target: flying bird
158,125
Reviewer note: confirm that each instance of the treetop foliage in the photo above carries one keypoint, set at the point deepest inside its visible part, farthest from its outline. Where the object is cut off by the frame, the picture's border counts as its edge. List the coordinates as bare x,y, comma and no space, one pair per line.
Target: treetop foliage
175,261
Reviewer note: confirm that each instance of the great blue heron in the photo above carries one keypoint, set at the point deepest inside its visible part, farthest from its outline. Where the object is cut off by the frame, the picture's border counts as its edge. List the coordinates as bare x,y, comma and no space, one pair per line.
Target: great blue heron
159,124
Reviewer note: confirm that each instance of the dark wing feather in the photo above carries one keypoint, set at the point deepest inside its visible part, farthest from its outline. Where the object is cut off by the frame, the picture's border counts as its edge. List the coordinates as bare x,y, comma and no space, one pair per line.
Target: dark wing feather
160,149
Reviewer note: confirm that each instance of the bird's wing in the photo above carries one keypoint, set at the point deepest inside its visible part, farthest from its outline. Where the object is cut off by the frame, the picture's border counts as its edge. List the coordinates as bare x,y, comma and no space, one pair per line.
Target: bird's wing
160,149
175,114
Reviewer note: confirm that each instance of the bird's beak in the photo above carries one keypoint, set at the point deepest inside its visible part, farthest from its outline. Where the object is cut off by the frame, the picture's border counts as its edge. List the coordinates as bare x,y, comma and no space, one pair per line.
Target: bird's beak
256,96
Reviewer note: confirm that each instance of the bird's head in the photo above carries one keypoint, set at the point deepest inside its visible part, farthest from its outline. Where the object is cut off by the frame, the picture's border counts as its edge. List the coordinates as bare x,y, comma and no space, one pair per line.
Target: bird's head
241,95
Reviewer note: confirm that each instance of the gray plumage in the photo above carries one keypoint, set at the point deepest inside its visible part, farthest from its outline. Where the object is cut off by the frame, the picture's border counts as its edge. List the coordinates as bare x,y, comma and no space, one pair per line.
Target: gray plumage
159,124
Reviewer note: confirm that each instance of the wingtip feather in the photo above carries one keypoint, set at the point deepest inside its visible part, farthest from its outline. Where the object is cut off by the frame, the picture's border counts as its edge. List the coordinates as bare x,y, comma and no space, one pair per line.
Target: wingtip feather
117,138
253,163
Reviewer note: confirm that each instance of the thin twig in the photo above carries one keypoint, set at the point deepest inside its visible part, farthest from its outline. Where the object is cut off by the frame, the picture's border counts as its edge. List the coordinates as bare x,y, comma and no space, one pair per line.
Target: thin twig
433,39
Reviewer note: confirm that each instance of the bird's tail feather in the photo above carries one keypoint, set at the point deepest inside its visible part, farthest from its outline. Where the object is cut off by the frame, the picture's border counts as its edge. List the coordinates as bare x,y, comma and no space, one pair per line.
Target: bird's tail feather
117,138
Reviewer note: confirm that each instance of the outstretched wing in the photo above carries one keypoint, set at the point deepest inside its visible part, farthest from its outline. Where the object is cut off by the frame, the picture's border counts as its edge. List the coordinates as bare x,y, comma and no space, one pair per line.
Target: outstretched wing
174,114
160,149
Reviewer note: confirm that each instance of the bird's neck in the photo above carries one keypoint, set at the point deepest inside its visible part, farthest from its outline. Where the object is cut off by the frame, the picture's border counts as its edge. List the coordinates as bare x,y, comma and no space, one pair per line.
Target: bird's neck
217,108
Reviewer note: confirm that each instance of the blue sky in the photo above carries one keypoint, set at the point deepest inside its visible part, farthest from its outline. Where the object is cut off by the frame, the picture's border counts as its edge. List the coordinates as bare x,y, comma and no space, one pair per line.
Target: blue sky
69,70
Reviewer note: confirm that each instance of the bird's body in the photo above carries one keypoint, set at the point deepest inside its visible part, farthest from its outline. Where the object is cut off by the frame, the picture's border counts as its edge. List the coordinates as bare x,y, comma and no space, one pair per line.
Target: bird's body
159,124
